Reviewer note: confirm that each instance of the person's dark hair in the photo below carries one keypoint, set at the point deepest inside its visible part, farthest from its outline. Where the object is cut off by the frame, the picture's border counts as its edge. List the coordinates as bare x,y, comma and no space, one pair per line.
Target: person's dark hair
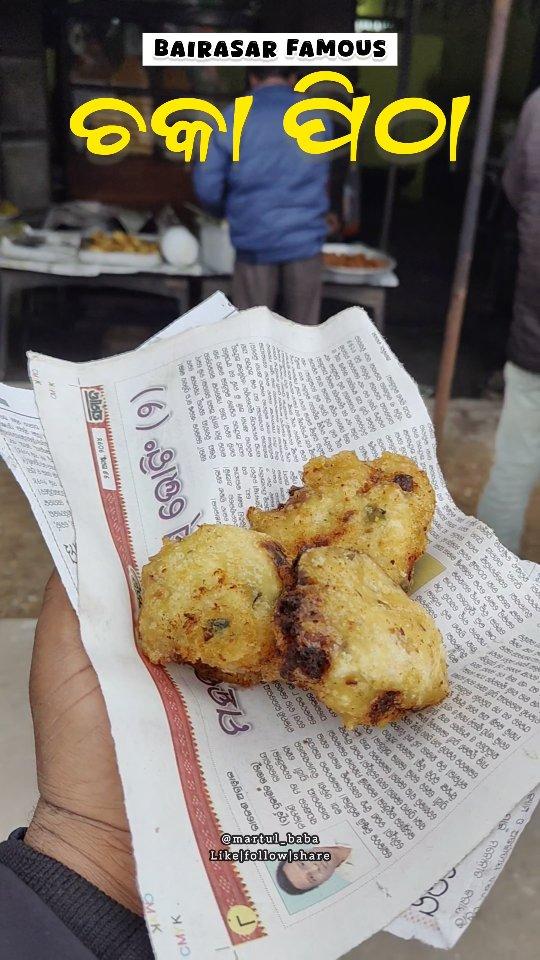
283,881
264,73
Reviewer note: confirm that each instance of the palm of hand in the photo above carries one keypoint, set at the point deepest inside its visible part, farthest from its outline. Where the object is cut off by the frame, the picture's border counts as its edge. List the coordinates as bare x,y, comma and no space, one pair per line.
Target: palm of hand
80,818
76,764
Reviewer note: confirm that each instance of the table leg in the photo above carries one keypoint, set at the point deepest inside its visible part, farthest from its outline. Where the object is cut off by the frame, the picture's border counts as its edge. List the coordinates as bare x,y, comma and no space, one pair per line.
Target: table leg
378,306
5,300
360,295
210,285
195,291
13,282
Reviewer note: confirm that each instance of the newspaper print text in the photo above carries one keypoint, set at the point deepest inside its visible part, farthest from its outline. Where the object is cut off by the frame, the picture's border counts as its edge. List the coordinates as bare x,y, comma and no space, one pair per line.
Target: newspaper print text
159,462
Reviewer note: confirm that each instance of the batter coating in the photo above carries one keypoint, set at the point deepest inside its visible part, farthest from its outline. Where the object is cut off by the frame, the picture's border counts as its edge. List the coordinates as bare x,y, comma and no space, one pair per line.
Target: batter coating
381,507
357,641
209,599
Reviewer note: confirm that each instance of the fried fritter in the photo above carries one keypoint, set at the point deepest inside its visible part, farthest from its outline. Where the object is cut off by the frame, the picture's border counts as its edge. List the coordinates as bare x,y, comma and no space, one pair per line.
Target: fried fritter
381,507
357,641
209,599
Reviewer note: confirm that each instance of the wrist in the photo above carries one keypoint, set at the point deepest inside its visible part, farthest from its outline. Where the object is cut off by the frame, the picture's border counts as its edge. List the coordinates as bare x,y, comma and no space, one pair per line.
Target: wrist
99,852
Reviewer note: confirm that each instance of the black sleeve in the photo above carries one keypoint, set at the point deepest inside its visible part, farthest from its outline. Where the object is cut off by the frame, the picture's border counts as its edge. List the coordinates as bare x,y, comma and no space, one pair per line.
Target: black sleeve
48,912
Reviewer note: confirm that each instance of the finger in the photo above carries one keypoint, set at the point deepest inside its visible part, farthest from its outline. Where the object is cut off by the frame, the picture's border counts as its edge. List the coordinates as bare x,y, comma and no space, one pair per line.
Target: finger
58,651
58,624
55,593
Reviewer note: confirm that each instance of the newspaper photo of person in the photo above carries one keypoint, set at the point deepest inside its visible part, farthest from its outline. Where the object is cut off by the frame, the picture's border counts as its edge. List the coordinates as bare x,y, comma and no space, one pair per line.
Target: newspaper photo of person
303,875
302,883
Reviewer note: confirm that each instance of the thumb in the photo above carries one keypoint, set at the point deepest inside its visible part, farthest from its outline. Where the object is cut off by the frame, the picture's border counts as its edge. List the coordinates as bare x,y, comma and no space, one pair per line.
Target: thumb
58,651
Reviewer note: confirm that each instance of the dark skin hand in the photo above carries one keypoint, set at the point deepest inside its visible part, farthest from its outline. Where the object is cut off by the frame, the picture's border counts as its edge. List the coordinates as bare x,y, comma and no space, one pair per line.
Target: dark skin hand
80,818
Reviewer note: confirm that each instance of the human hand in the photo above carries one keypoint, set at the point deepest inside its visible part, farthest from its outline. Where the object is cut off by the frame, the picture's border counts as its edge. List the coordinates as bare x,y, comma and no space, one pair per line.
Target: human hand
80,818
333,224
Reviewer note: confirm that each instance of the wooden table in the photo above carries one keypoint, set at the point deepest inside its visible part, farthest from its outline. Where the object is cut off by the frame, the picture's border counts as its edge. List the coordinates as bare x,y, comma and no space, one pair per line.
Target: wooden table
186,289
14,282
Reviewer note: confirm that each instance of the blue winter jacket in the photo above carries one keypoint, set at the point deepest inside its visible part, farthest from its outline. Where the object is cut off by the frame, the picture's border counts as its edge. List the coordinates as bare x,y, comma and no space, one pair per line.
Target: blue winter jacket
275,197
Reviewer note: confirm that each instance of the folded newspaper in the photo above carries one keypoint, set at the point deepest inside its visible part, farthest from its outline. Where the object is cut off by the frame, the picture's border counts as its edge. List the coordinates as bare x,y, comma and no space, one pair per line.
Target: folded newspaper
224,785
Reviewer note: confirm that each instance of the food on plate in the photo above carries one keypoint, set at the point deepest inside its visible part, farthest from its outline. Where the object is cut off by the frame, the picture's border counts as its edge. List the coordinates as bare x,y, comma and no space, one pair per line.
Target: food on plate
209,600
119,242
354,261
353,638
381,507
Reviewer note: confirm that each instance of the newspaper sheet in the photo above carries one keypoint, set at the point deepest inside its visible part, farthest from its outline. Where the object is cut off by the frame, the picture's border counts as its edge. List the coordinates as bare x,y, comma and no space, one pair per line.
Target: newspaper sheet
440,915
24,448
196,428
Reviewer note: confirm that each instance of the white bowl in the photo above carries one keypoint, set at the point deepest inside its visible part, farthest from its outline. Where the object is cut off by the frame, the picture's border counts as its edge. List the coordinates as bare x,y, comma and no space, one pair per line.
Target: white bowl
179,247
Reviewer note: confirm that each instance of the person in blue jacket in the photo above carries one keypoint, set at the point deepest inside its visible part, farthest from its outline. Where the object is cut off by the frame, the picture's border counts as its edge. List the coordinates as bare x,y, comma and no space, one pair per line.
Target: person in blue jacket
275,198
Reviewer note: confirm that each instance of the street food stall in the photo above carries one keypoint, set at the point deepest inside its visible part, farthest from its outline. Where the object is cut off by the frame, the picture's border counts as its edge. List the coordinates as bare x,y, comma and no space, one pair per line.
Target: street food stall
33,258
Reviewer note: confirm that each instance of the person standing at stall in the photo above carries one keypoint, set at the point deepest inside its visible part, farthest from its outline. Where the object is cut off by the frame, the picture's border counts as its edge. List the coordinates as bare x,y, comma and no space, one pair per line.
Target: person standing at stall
275,198
516,468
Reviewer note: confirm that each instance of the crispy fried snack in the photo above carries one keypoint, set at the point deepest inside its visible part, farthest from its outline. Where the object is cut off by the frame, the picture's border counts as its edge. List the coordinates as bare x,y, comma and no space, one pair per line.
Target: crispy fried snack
381,507
209,599
119,242
354,260
357,641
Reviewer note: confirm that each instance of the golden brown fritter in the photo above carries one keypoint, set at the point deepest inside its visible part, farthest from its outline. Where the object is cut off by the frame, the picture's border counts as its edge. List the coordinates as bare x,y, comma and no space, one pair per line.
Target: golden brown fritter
210,599
381,507
357,641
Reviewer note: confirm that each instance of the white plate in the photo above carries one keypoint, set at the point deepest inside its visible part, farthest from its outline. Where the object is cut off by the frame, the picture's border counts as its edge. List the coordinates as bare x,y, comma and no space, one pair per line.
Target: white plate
338,273
44,252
